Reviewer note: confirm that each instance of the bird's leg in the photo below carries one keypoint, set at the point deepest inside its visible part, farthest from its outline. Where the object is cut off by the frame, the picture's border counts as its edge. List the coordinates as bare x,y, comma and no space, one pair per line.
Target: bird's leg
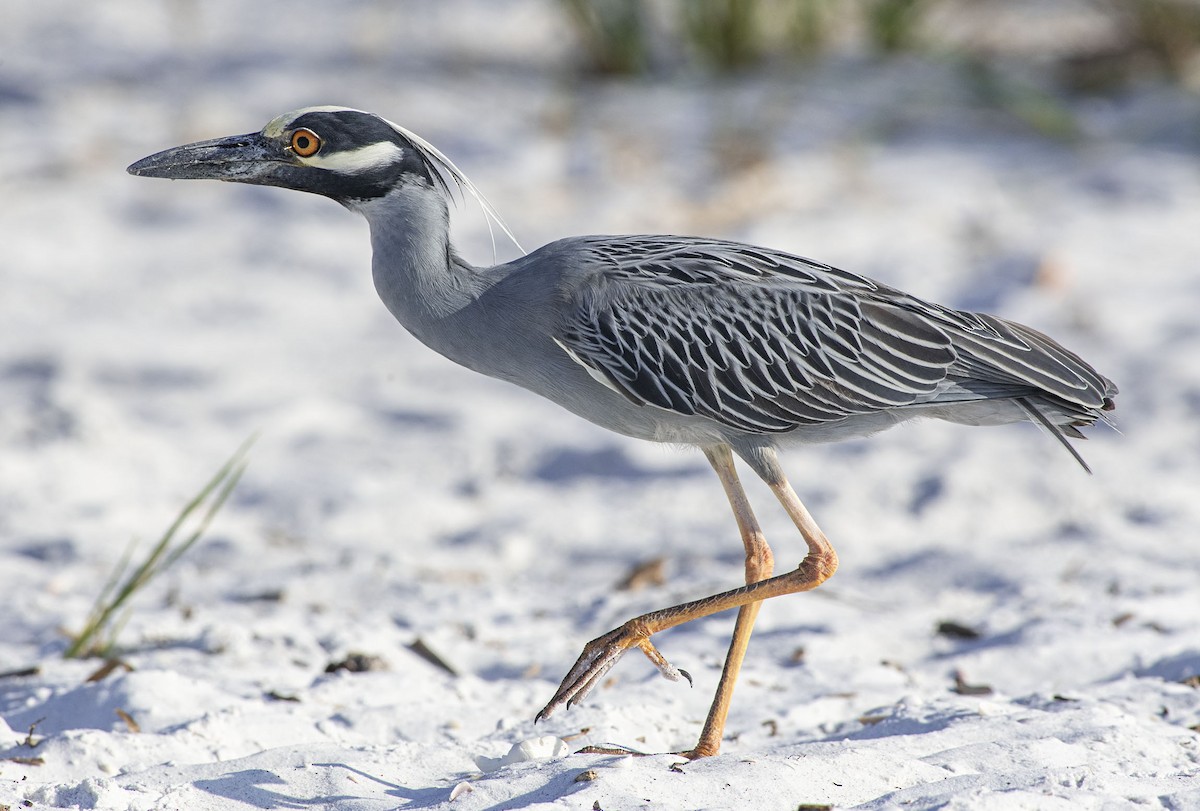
760,563
602,653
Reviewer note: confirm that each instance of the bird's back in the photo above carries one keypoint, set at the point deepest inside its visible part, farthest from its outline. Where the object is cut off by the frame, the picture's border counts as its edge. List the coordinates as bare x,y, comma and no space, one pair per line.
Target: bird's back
764,342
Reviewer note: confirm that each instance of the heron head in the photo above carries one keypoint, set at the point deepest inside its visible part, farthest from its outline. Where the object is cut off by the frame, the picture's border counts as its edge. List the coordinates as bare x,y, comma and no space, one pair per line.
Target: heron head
347,155
344,154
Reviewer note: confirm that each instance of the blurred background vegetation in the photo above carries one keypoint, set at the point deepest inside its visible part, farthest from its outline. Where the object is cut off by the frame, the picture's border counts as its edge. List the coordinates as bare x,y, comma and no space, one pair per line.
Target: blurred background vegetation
1029,59
1104,45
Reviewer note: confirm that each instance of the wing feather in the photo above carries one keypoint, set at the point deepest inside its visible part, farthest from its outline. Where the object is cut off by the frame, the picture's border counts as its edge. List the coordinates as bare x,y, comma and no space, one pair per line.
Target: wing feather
767,342
735,338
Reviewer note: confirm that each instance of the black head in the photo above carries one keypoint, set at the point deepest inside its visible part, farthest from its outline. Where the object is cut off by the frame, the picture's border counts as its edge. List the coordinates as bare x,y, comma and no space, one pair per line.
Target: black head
347,155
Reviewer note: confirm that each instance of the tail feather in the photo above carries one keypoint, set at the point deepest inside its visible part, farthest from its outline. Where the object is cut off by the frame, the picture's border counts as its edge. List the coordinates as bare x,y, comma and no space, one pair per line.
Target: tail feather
1060,433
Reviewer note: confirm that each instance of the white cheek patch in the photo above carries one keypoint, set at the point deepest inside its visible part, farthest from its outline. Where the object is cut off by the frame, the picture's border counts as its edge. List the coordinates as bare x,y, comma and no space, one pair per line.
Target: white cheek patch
354,161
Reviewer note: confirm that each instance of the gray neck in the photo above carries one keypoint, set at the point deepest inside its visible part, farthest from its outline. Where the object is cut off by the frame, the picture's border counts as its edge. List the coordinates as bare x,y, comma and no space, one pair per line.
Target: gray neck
416,272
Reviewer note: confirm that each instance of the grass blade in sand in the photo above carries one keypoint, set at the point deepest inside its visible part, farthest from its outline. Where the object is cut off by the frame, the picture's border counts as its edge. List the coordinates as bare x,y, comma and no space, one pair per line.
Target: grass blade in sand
98,636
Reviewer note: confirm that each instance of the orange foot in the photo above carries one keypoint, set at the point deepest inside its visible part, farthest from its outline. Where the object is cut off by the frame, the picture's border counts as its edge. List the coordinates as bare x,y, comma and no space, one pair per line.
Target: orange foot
599,656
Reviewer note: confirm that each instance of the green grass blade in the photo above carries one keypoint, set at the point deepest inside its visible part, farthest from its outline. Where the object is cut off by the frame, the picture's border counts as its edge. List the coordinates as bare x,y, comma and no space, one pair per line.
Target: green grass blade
121,588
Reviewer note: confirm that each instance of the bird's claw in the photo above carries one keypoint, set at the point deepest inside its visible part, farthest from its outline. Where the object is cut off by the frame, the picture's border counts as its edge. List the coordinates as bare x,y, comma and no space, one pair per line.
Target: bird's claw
668,670
598,657
582,678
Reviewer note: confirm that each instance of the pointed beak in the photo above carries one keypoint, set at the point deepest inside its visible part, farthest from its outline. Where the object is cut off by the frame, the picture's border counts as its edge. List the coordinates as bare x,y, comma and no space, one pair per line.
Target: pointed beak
248,158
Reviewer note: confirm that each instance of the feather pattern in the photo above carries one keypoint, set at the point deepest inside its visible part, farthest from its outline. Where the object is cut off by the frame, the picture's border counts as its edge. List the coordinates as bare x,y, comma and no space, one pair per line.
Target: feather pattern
765,342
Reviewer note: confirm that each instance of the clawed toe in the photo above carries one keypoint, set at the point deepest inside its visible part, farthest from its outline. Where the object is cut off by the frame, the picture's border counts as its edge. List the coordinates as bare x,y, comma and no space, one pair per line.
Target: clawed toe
598,657
668,670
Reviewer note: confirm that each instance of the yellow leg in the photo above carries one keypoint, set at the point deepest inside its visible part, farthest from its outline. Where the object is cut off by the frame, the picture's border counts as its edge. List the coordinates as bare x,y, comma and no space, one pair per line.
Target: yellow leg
760,563
819,564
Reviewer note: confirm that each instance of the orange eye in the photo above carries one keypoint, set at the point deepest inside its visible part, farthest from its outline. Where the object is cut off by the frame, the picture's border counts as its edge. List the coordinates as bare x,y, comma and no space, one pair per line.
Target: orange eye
305,143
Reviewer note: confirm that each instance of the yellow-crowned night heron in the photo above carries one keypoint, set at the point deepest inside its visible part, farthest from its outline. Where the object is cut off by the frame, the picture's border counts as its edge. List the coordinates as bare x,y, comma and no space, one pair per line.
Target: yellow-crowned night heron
732,348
